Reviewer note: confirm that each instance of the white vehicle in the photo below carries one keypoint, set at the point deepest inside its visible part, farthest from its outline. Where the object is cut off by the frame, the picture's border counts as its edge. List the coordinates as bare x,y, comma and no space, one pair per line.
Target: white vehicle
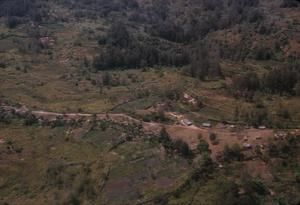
186,122
206,124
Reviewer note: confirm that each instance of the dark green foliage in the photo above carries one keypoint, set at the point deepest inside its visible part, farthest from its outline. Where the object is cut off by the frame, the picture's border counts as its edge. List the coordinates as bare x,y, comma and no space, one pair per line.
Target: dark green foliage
203,168
173,94
227,193
165,140
290,3
205,63
12,22
281,80
2,64
262,53
233,153
30,119
203,147
245,85
284,149
118,35
4,117
297,88
25,9
183,148
170,146
138,56
168,30
258,116
212,136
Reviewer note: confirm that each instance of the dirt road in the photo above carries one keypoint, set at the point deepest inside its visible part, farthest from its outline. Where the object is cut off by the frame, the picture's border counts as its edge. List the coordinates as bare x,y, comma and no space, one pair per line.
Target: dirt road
189,134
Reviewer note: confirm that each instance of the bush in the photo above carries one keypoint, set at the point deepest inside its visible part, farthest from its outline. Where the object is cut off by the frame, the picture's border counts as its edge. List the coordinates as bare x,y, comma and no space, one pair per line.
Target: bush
2,65
233,153
212,137
165,140
12,22
203,147
30,119
203,168
289,3
183,148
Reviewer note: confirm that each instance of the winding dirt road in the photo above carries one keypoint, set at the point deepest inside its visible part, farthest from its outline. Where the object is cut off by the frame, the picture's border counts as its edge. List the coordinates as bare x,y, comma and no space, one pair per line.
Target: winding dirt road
189,134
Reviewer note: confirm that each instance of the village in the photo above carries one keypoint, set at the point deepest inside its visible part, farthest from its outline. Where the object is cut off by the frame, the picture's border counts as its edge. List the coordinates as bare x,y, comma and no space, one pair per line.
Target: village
217,135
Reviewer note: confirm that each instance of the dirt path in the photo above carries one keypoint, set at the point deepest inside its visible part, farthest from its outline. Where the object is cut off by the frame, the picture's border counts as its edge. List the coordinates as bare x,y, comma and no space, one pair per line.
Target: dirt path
189,134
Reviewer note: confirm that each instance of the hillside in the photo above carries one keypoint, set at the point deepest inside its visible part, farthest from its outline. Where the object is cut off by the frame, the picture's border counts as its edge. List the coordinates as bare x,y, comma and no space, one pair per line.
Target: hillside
149,102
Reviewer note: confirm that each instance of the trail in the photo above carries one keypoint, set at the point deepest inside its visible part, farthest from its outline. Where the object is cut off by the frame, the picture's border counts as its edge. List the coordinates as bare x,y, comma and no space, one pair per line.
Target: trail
189,134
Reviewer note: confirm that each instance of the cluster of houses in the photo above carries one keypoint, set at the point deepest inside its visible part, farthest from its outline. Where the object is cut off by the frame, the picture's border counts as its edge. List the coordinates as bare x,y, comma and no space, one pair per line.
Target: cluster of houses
189,99
46,42
187,122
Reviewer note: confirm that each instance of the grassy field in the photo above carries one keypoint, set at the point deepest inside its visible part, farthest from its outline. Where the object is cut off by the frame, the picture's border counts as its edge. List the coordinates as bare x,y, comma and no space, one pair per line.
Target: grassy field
57,79
44,165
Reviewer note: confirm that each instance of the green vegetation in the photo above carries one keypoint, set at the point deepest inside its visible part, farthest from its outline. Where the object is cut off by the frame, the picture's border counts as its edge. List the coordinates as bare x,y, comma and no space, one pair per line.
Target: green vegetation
236,66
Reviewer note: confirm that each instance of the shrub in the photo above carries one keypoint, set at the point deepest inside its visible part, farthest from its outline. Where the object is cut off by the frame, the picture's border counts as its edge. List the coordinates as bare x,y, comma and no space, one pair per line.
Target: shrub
12,22
2,65
233,153
212,136
183,148
30,119
165,140
203,147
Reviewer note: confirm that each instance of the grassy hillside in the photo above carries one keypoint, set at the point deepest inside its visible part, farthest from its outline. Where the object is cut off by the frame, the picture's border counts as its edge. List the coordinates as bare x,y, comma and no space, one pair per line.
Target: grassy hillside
233,64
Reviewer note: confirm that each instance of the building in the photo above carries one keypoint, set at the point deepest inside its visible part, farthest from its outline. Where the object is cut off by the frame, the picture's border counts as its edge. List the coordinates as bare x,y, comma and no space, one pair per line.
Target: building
206,124
262,127
186,122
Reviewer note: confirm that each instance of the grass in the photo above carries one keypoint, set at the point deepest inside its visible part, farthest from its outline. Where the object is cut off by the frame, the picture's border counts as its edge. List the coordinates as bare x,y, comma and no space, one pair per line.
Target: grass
43,87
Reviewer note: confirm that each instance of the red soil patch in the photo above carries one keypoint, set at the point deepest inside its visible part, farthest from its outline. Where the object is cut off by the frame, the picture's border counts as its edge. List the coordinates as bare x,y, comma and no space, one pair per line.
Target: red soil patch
225,136
259,169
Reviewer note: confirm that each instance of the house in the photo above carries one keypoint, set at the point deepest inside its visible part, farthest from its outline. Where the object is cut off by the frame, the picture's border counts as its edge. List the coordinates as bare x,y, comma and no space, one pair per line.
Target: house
189,99
186,122
247,146
262,127
46,42
206,124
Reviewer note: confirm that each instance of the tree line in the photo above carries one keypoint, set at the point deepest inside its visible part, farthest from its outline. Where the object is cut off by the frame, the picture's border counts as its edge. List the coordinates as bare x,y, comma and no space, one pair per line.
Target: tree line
285,80
123,50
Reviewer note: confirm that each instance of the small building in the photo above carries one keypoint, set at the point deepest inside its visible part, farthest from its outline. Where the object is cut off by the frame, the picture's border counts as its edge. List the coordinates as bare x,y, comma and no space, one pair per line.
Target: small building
247,145
262,127
206,124
186,122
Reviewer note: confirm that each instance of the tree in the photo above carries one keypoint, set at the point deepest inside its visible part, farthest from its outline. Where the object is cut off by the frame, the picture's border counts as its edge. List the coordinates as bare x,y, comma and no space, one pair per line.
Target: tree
245,85
203,147
161,9
12,22
297,88
118,35
233,153
289,3
227,193
106,79
100,83
280,80
205,64
165,140
183,148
